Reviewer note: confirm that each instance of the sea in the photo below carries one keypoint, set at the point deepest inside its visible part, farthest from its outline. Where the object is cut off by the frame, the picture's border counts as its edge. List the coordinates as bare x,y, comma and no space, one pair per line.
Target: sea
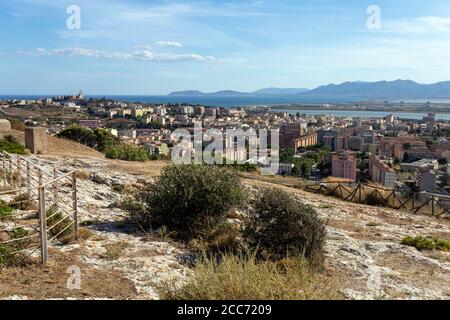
232,102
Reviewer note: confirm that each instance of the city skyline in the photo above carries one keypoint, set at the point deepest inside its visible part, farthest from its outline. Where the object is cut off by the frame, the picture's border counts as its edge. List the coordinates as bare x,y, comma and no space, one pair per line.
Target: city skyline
155,47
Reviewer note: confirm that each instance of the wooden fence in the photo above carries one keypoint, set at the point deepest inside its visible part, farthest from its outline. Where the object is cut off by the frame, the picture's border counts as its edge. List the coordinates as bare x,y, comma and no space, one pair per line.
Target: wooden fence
424,202
51,193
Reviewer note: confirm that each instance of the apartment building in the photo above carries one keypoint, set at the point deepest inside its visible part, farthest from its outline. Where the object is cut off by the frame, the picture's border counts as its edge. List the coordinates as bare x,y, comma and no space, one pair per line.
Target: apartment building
381,173
343,165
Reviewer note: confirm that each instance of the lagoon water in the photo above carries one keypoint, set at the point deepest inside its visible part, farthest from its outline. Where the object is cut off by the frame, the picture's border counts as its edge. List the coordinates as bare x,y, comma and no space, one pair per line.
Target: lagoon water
367,114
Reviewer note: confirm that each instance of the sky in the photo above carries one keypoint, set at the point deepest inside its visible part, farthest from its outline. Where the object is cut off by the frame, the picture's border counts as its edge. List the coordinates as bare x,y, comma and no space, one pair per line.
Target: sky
137,47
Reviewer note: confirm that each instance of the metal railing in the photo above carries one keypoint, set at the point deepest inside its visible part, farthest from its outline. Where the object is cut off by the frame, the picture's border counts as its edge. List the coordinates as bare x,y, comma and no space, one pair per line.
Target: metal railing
55,194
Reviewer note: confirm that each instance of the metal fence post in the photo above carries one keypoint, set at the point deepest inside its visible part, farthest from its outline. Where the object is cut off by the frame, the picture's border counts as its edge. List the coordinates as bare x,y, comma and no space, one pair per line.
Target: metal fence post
19,176
43,226
28,179
40,177
5,177
433,205
10,172
55,188
75,204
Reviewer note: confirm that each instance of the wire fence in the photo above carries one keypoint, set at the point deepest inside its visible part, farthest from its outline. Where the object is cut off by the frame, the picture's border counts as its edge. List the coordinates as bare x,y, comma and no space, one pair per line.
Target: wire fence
47,200
435,204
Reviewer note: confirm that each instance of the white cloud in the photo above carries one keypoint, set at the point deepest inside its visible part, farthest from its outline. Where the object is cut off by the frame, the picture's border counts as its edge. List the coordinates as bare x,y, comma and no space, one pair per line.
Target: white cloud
144,55
169,44
144,47
419,25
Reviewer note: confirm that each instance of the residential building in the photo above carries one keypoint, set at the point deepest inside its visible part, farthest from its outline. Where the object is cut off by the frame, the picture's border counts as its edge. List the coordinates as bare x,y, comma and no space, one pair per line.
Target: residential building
426,180
289,132
380,172
343,165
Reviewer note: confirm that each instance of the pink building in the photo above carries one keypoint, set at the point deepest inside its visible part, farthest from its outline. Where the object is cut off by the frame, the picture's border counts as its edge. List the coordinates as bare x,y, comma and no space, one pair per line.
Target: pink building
343,165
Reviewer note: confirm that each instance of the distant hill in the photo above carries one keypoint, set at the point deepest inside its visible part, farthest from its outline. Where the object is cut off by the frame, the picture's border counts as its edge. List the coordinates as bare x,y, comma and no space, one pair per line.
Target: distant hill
186,93
400,89
280,91
230,93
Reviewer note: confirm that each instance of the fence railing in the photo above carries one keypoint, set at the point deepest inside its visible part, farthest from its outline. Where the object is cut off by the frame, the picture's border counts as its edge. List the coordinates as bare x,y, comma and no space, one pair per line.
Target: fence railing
53,196
418,202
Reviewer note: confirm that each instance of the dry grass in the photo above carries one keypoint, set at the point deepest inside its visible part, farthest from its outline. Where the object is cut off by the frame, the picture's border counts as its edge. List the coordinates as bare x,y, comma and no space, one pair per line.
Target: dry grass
24,202
114,250
83,175
148,168
235,278
35,282
84,234
63,147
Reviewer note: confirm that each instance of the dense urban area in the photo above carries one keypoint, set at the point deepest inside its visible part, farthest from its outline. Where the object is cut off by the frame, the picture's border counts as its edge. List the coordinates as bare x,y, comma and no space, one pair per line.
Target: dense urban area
357,208
411,155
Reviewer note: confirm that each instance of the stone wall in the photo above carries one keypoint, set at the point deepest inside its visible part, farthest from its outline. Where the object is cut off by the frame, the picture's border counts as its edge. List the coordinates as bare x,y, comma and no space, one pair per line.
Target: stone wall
36,140
5,128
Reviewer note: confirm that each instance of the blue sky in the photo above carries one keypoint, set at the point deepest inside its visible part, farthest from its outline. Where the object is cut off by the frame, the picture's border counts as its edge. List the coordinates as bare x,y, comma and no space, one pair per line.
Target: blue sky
155,47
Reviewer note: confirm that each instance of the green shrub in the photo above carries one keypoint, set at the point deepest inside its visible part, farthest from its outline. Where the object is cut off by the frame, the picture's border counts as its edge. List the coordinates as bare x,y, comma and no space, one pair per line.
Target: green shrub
5,254
18,233
426,244
5,210
191,200
79,134
280,226
105,139
99,139
236,278
23,202
127,152
9,255
375,199
10,145
57,222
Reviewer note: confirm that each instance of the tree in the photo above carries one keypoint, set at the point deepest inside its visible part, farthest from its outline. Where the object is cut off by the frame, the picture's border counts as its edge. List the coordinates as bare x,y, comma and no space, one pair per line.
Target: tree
287,155
105,139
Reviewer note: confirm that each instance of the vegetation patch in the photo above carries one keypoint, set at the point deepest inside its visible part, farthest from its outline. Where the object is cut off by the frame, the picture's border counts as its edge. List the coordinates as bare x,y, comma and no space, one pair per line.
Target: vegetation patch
9,252
58,224
280,226
127,152
192,201
23,202
245,278
6,211
10,145
105,142
114,251
427,244
84,233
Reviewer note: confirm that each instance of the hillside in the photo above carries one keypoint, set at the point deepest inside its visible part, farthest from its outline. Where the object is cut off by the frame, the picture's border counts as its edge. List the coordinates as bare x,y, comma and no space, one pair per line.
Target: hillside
230,93
63,147
400,89
364,258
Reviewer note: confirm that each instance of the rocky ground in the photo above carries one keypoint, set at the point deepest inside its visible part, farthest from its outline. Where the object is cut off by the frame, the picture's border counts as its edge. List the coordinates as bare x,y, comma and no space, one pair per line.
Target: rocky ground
364,254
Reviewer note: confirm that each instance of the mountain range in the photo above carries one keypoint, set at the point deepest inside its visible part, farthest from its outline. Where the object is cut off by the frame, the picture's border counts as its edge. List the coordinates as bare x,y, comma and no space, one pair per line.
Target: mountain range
398,89
230,93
